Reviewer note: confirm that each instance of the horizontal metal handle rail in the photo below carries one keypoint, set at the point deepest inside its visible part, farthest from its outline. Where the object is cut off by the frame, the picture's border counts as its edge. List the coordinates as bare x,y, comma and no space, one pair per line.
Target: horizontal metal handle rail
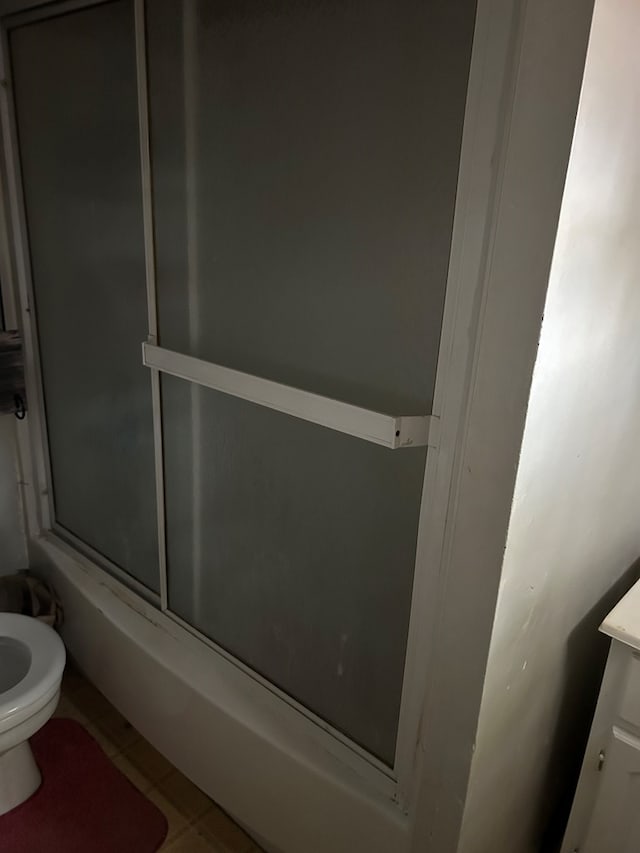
387,430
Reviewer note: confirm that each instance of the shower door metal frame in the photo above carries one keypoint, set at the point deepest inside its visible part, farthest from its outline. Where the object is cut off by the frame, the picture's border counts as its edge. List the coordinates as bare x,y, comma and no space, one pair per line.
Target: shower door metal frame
42,515
398,783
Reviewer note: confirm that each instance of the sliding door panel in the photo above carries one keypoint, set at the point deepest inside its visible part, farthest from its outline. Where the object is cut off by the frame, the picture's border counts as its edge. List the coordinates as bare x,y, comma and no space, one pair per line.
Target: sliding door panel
293,546
75,93
304,164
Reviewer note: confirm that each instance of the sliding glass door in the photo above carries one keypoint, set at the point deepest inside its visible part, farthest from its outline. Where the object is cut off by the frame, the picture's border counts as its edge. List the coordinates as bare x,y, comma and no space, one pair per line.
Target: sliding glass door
261,193
297,241
76,112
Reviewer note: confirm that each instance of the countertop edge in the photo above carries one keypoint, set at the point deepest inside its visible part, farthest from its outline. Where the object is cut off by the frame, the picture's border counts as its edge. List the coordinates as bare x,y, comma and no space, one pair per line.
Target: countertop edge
623,622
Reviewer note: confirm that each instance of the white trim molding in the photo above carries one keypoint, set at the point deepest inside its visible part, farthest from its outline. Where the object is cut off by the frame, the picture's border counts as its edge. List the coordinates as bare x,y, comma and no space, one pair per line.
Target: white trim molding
526,73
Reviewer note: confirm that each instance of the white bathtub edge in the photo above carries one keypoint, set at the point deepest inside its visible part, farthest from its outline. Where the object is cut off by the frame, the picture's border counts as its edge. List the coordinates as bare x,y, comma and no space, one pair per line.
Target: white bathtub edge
222,734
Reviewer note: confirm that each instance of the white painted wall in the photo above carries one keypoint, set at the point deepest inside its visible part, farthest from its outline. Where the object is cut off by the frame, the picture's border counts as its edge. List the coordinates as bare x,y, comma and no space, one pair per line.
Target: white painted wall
547,43
574,530
13,548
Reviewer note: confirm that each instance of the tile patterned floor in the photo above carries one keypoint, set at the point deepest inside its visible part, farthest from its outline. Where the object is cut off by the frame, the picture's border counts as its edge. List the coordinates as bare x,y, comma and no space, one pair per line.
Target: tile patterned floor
196,823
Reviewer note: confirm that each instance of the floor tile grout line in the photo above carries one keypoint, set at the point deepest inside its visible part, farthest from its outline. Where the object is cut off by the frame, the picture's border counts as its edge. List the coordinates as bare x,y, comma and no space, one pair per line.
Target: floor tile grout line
192,823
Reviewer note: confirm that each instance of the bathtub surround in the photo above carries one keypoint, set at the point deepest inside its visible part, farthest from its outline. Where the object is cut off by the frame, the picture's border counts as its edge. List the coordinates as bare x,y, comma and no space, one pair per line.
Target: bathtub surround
215,726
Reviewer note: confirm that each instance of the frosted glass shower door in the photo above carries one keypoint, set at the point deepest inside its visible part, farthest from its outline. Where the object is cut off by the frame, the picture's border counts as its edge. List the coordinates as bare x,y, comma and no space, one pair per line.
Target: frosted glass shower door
76,116
304,168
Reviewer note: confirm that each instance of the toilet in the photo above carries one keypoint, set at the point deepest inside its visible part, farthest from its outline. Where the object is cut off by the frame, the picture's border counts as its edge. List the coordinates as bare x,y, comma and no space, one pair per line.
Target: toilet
32,659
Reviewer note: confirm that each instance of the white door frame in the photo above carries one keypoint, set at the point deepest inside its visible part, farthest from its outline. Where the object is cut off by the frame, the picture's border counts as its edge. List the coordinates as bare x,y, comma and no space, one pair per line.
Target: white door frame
524,89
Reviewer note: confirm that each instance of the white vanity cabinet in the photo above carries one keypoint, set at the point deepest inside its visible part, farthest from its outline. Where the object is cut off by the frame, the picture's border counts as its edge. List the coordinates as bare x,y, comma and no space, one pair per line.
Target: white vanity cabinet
605,817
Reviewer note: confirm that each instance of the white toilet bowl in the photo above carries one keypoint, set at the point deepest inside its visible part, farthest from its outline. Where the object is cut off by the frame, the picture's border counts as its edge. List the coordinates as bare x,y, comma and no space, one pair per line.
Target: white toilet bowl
32,659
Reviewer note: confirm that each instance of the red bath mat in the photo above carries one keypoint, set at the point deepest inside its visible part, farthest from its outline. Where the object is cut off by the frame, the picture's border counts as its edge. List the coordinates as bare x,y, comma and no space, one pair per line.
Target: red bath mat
84,805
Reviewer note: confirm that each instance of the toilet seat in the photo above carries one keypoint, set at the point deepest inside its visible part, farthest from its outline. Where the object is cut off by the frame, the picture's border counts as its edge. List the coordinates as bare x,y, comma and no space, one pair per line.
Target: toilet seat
34,659
42,679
